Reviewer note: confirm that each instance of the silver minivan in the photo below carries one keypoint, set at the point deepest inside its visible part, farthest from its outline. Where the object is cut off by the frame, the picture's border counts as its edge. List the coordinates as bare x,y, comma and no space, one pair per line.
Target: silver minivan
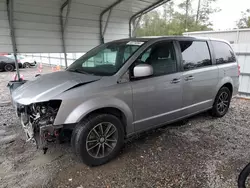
125,87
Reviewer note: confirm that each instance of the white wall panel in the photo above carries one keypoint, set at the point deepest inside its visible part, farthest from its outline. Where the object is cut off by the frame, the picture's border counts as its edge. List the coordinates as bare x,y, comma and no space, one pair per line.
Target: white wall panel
30,17
5,40
244,37
37,24
37,10
3,6
34,26
5,47
36,34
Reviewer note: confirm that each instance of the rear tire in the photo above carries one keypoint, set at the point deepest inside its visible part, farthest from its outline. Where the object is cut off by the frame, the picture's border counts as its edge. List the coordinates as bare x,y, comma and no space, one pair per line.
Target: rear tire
26,65
243,176
221,102
98,139
9,68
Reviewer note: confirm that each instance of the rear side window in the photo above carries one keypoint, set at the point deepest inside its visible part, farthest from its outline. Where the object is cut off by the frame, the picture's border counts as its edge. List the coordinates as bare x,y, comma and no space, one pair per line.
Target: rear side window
195,54
223,52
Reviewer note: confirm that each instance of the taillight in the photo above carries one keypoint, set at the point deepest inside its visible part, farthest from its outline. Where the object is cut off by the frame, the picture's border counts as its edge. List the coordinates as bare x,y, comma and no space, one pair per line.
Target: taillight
238,70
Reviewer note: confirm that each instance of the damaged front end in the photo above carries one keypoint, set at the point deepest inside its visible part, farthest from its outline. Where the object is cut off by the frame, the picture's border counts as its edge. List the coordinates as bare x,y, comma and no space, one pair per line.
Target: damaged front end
38,122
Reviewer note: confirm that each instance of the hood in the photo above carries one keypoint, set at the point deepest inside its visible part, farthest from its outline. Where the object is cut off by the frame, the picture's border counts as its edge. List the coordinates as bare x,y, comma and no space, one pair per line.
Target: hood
47,86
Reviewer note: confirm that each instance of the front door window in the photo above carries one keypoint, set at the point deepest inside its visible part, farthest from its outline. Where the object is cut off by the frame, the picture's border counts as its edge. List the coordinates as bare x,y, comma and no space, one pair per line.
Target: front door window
161,57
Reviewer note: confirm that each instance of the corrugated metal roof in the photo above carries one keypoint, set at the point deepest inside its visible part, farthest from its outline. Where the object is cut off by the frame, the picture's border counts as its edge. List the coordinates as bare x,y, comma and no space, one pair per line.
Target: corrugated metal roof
37,24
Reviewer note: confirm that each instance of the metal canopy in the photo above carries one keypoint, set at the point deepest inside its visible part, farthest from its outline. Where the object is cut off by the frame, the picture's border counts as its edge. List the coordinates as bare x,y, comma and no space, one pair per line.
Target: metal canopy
60,26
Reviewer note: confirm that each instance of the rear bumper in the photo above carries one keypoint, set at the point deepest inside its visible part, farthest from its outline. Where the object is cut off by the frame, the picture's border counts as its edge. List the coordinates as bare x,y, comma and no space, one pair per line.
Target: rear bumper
236,87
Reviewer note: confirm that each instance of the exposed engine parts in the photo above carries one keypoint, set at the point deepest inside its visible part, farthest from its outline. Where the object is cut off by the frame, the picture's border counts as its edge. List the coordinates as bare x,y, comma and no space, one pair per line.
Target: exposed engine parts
37,121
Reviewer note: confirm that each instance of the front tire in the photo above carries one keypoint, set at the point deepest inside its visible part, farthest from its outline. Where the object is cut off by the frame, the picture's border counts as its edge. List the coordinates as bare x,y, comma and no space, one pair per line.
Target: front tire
9,68
98,139
222,102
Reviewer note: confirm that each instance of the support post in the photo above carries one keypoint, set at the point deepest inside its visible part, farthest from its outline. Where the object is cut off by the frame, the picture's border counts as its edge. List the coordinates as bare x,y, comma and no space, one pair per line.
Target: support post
136,25
101,16
106,25
145,11
237,36
9,4
186,16
63,26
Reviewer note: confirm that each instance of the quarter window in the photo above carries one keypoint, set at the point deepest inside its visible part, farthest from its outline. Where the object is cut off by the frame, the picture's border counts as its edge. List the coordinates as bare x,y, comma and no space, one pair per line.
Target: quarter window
223,52
195,54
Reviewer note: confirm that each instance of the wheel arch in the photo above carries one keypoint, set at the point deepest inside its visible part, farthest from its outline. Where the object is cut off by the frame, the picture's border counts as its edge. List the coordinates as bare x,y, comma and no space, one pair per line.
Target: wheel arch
112,106
229,86
225,82
110,110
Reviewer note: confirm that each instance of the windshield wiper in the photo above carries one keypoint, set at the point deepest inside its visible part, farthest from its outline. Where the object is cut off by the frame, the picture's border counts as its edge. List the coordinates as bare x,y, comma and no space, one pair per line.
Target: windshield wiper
78,70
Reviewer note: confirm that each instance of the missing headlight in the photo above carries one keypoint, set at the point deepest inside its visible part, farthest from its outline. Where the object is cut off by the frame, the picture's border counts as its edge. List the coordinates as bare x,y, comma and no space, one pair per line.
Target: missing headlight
38,119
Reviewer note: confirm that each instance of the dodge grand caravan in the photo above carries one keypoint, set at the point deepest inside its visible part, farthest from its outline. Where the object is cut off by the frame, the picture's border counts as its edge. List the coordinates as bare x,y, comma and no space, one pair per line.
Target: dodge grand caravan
124,87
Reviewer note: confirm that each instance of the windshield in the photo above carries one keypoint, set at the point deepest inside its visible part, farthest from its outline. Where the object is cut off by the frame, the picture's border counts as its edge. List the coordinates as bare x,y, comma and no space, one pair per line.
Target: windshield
106,59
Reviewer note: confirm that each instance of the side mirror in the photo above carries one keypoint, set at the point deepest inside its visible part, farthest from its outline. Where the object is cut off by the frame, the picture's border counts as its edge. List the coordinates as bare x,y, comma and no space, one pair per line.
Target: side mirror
143,70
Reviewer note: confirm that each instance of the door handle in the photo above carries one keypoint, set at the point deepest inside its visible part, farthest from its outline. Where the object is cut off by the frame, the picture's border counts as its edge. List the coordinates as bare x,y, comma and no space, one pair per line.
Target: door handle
175,80
189,78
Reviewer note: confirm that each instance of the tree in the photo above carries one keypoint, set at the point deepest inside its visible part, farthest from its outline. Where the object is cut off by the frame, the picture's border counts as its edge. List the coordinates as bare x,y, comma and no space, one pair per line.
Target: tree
244,21
175,19
205,11
168,11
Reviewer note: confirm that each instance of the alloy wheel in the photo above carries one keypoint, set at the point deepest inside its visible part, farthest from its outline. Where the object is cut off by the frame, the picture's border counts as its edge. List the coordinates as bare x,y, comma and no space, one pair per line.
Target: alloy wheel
223,102
9,68
101,140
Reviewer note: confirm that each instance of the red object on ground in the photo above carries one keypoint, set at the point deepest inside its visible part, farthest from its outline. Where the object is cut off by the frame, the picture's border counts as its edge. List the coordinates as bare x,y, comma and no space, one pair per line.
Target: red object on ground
40,67
15,77
3,53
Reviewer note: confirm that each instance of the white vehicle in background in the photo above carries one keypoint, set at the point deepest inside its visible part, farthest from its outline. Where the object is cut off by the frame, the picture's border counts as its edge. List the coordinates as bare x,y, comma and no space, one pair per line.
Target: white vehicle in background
27,62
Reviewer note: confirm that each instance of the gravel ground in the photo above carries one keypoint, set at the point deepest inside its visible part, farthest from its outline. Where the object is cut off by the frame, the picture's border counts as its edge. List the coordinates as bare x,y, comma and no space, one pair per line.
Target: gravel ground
198,152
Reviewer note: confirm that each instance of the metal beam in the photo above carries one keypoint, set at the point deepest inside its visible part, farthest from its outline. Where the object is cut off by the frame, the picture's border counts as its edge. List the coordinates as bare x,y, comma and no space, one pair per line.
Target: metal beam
67,14
107,21
136,25
145,11
243,53
101,16
244,74
244,93
9,4
63,26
